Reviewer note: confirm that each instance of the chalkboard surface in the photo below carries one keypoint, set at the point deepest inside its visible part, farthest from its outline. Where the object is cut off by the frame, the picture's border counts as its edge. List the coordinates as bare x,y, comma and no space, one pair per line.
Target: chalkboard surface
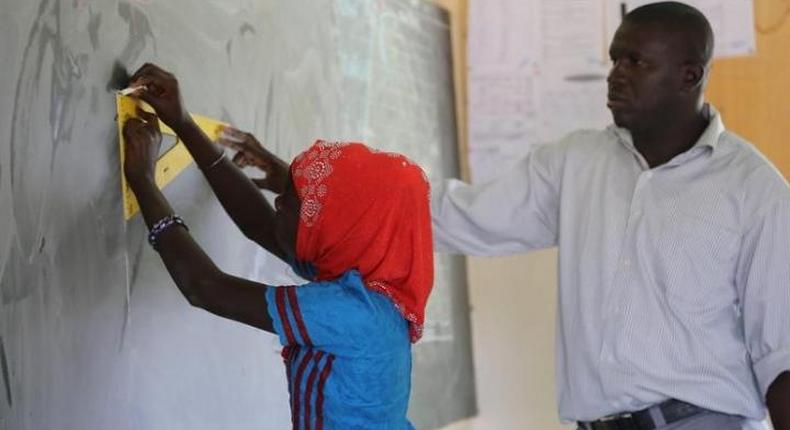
93,334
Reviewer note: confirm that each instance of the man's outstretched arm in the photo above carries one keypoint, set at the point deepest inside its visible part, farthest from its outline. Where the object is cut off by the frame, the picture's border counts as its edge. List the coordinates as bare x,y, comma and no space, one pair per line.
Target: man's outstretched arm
516,212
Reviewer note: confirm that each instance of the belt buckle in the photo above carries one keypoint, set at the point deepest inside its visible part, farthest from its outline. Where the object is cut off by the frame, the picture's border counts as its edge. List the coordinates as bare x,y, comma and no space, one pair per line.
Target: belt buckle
614,417
616,422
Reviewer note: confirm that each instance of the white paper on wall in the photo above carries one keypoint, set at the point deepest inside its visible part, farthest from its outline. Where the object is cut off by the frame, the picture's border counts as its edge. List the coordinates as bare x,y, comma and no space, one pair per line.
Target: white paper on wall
537,69
732,22
534,65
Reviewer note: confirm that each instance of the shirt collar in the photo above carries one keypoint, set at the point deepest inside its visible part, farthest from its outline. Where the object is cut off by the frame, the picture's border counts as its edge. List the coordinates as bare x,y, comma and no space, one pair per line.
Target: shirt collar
709,138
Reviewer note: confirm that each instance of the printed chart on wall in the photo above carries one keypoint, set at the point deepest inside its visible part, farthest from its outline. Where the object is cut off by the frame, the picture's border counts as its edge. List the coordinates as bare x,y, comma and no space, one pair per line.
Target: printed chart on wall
537,69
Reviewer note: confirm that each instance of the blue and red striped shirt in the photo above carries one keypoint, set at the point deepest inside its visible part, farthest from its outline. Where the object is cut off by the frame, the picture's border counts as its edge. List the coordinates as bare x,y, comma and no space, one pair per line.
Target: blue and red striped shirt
347,355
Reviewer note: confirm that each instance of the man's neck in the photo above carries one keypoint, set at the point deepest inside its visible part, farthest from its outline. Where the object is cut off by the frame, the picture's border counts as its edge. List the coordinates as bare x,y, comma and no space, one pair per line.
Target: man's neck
671,137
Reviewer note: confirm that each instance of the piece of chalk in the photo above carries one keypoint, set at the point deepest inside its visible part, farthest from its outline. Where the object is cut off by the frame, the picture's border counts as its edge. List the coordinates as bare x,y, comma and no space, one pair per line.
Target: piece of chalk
130,90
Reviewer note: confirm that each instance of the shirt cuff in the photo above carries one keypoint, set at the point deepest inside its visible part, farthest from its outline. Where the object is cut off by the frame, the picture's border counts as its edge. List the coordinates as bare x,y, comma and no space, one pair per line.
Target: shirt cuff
768,368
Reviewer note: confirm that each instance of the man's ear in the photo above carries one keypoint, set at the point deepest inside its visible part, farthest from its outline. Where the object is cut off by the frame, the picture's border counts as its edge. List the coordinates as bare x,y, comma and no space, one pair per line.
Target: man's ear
693,76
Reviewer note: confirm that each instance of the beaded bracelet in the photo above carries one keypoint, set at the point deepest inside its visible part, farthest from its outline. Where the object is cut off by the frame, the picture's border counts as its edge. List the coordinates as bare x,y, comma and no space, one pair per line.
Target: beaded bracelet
162,225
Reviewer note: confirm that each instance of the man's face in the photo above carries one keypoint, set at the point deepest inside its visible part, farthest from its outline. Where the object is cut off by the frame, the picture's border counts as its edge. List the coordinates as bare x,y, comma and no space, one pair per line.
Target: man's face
645,81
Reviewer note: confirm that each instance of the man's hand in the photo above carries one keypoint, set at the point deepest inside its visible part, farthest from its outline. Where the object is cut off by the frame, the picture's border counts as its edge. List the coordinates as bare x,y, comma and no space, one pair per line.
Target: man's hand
252,153
159,89
143,139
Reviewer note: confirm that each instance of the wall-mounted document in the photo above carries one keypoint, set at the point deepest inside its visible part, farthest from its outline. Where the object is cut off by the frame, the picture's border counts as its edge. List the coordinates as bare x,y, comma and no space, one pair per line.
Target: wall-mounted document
732,22
537,69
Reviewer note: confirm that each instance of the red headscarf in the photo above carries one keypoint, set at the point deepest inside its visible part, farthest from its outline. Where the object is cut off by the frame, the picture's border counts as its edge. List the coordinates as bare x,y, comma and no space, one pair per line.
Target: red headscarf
367,210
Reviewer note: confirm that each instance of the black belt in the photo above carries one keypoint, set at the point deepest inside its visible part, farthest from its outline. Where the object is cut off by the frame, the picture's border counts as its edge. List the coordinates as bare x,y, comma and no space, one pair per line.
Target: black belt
671,411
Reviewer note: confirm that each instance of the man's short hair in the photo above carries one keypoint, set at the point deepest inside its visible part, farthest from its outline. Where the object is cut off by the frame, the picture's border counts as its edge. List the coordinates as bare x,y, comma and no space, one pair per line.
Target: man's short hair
680,17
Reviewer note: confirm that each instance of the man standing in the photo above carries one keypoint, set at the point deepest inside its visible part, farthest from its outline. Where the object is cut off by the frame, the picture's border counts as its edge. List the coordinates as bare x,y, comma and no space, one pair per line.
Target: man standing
674,245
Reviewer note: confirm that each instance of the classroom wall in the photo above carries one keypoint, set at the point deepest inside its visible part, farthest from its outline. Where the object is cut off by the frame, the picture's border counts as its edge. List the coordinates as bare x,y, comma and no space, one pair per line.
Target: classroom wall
512,326
752,93
513,298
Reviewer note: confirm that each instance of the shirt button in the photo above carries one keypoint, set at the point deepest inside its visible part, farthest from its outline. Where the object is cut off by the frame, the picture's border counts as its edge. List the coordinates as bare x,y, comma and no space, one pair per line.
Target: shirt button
626,262
648,175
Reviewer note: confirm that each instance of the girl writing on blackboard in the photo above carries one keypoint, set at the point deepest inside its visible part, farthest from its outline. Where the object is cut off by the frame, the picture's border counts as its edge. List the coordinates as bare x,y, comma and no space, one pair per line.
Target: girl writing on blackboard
352,221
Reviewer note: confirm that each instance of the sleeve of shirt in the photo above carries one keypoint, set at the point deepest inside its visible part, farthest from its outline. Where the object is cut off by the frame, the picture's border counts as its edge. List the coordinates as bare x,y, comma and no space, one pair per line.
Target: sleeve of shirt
763,279
336,316
513,213
304,315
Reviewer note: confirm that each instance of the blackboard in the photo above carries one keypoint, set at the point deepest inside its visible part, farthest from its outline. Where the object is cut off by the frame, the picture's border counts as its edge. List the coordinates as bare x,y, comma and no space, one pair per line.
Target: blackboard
93,334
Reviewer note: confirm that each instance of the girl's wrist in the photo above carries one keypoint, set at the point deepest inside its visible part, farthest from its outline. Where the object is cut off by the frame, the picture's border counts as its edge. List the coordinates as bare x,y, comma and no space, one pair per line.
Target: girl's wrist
141,182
